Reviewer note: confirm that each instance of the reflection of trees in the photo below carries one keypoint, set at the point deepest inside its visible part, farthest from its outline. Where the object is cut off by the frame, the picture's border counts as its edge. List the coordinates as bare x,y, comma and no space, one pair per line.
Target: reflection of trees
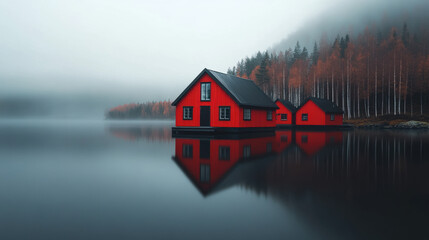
368,185
162,134
372,184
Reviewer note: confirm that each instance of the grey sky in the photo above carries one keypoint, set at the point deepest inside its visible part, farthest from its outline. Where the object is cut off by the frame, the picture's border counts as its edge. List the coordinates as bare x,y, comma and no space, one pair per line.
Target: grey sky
143,49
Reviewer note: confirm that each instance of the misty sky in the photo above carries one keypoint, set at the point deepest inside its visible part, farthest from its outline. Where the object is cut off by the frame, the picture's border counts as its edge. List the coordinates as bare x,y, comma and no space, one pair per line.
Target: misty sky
143,49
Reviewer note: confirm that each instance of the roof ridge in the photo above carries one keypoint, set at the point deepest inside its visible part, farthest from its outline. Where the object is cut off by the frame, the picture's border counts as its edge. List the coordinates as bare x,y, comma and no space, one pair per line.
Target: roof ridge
228,74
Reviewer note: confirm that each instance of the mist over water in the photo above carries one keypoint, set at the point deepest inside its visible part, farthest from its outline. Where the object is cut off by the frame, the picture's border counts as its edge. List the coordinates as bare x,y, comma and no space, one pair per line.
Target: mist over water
92,179
68,60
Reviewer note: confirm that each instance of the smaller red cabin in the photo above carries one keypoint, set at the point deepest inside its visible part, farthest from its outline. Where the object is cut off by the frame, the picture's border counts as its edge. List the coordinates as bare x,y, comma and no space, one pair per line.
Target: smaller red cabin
319,112
285,114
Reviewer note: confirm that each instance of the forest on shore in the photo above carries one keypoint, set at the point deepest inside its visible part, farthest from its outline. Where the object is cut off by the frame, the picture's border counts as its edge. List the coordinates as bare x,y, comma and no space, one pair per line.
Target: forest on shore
381,71
147,110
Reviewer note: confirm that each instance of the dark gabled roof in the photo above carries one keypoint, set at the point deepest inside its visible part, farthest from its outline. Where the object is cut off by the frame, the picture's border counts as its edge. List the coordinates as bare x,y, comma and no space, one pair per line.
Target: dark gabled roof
288,105
244,92
324,104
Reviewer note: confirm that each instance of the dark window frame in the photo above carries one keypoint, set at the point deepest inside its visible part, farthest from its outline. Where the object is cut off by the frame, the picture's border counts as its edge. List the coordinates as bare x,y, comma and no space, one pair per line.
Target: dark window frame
332,117
188,150
304,139
229,113
269,115
247,151
191,113
244,114
304,115
283,117
206,99
224,153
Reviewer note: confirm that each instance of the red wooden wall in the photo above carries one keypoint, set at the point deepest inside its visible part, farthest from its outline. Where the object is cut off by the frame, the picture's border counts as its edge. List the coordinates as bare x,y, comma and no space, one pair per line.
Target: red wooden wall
218,168
283,110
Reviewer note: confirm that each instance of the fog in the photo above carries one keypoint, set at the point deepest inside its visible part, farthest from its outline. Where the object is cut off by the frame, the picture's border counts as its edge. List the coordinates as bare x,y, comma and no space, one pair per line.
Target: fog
75,58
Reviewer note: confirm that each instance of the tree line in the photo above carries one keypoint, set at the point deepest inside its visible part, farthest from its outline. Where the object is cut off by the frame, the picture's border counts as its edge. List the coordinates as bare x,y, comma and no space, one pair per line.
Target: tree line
147,110
378,72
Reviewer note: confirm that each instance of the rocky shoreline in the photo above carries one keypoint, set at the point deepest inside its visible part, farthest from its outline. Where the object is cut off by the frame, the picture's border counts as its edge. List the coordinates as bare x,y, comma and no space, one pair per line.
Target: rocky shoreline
402,125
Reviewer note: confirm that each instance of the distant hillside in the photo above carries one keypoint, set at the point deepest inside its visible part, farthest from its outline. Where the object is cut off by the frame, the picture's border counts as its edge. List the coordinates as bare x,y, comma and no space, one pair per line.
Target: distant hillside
372,62
148,110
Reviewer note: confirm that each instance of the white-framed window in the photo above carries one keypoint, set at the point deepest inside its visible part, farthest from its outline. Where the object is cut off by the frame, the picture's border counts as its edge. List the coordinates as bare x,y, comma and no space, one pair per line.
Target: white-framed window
205,91
269,115
187,113
304,117
332,117
224,113
283,117
247,114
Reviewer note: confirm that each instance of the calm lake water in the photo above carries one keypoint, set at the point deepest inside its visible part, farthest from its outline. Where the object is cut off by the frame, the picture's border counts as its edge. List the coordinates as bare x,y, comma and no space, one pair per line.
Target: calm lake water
132,180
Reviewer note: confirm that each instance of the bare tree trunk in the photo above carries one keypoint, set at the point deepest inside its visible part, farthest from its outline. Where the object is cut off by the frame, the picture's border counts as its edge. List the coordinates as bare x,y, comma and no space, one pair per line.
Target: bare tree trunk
342,89
394,84
399,86
375,90
332,86
348,91
284,85
367,93
382,91
388,98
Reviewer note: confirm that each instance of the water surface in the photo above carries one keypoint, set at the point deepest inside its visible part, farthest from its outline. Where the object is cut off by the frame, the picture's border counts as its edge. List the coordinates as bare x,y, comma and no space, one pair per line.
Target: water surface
131,180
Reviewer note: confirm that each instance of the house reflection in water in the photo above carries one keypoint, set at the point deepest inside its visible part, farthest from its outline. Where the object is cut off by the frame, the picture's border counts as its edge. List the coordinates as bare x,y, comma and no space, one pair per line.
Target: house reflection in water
312,142
328,179
207,161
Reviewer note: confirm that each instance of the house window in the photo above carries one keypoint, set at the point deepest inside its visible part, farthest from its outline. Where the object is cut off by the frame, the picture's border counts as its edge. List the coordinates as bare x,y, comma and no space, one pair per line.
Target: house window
205,91
304,138
205,173
283,138
283,117
304,117
187,150
269,115
246,151
246,114
224,113
332,117
224,153
187,113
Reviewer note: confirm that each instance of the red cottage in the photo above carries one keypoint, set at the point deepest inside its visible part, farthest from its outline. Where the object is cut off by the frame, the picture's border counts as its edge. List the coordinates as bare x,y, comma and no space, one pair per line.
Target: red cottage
218,102
207,162
319,112
285,114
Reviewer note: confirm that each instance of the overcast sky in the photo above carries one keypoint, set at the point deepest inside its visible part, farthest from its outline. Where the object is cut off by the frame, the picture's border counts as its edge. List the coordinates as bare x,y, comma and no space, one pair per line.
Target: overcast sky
144,49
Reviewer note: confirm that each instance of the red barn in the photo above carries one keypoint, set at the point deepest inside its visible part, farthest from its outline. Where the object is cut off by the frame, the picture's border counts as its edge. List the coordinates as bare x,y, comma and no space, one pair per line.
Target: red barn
285,114
218,102
319,112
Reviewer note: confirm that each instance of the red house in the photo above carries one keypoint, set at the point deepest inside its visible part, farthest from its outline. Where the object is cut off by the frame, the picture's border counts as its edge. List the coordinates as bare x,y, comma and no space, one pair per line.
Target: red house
218,102
207,161
312,142
319,112
285,114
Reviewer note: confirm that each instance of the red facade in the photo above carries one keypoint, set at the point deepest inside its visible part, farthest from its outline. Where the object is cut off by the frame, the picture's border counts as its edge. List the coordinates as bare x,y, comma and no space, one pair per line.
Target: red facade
281,111
219,98
313,142
206,162
316,116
